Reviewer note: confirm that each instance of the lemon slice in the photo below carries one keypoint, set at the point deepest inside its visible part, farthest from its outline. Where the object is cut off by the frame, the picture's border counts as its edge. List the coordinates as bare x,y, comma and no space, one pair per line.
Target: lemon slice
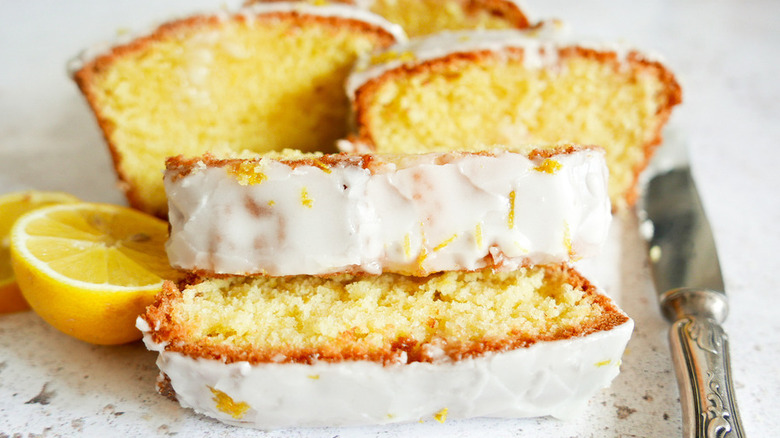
12,206
90,269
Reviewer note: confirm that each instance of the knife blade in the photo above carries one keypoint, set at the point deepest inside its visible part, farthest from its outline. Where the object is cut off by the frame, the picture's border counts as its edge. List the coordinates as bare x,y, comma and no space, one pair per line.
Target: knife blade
686,273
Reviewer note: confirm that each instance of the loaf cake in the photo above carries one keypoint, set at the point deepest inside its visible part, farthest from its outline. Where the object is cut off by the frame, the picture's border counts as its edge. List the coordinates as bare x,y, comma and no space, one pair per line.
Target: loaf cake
473,90
266,77
272,352
423,17
408,214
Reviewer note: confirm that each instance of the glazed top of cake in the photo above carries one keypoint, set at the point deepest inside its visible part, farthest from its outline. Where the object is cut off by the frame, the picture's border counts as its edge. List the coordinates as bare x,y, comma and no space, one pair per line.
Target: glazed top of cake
341,11
541,46
409,214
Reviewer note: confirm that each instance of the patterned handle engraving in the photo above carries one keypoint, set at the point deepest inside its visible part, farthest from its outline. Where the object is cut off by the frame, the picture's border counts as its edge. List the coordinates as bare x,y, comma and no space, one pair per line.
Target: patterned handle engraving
701,357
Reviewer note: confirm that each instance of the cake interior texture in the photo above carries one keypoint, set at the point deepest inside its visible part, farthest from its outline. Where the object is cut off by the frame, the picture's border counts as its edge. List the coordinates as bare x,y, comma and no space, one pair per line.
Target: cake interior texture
387,318
425,17
462,104
209,84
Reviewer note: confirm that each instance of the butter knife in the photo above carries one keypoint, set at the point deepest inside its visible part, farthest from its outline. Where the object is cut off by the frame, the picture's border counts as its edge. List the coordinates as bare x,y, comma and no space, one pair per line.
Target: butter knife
686,273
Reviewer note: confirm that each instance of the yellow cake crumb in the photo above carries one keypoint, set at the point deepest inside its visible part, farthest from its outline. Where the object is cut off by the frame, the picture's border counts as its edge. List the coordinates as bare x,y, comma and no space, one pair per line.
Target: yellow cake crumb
392,55
441,416
583,100
424,17
655,253
247,173
373,312
222,85
321,165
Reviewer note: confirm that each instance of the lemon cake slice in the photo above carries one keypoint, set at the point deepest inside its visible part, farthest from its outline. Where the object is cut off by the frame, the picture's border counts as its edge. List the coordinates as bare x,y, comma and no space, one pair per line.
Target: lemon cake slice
412,214
423,17
266,77
272,352
477,89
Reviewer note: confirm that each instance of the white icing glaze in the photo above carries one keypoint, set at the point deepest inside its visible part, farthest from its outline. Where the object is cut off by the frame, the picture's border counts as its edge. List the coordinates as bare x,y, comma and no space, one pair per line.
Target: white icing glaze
548,378
422,214
250,12
540,49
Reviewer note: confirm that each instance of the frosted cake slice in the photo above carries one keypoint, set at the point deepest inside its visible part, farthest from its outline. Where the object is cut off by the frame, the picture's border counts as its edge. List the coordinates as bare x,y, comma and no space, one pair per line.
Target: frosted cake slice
408,214
270,352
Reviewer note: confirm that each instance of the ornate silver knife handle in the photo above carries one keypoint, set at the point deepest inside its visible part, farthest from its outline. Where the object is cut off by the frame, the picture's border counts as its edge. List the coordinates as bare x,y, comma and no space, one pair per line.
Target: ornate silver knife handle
701,360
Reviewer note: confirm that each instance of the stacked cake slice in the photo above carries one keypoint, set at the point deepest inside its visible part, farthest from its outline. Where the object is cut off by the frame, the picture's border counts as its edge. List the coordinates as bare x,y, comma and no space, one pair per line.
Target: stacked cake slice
412,282
407,214
262,78
367,289
472,90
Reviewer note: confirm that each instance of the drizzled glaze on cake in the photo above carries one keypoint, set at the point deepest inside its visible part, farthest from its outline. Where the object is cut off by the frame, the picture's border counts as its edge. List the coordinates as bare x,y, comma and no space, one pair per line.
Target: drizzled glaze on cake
413,215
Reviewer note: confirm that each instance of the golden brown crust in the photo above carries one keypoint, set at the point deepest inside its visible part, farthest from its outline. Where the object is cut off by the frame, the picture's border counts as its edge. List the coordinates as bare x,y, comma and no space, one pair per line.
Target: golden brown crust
507,10
161,315
670,96
561,149
165,388
85,76
180,166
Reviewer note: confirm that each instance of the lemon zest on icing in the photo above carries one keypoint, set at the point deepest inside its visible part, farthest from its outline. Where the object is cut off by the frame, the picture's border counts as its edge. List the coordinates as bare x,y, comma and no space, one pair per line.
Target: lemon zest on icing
421,261
445,243
511,217
306,201
423,252
549,166
567,242
319,164
247,173
226,404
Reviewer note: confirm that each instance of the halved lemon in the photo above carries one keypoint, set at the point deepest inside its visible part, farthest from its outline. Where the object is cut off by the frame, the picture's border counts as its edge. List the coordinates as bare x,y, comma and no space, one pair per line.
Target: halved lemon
90,269
12,206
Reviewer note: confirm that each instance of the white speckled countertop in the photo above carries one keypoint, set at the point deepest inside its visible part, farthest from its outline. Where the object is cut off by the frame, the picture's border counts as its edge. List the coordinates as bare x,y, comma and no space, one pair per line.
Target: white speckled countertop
726,55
